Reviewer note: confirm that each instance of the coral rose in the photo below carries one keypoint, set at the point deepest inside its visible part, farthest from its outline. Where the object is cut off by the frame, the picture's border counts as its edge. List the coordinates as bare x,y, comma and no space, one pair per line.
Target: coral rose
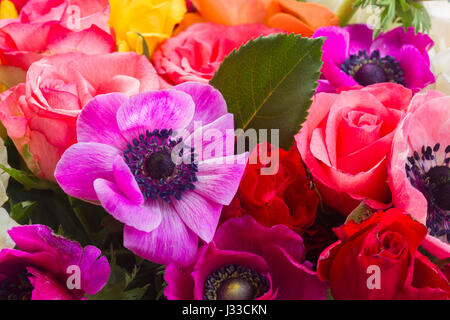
419,173
378,259
41,114
196,53
247,261
346,141
21,44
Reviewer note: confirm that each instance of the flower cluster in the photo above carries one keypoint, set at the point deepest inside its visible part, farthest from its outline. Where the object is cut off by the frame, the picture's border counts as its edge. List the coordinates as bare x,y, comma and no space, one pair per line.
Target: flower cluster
251,149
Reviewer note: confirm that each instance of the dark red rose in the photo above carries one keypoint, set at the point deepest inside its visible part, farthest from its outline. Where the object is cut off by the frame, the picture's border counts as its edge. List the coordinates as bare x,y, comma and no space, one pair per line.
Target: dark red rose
384,246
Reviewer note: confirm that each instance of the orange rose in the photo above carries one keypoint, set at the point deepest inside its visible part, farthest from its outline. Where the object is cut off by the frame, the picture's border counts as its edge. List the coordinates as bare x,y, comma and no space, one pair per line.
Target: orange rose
232,12
299,17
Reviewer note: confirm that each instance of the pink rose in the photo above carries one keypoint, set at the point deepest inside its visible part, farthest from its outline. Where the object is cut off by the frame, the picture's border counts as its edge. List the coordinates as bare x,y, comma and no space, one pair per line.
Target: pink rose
21,44
41,114
73,14
346,141
196,53
419,173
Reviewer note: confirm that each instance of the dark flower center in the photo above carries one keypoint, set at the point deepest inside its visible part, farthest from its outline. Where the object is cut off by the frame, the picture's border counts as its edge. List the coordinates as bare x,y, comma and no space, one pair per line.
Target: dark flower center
367,70
235,282
159,165
432,177
150,160
16,287
439,180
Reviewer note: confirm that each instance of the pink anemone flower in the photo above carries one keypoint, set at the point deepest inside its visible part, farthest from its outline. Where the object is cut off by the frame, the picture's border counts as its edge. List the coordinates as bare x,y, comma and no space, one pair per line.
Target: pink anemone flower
124,161
419,171
247,261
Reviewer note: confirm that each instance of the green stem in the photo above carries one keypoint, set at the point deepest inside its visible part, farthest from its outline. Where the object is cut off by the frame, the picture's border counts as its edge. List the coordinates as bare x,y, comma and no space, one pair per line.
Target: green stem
346,11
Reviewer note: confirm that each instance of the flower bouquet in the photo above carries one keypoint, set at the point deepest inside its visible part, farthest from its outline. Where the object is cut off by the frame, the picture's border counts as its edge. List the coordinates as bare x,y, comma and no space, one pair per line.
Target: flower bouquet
224,150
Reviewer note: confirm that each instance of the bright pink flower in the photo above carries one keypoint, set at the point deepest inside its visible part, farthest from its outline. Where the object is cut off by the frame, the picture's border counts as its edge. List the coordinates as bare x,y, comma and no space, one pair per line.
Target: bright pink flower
346,140
41,114
196,53
21,44
263,263
419,171
351,56
124,160
41,266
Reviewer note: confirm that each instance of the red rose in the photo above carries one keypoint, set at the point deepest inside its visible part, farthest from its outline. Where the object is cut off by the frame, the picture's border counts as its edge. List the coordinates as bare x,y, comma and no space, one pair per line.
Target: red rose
346,141
385,247
284,197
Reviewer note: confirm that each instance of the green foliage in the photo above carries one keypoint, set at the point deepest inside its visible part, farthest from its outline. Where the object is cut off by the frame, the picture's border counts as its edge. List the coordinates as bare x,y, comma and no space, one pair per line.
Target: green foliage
28,180
145,50
361,213
268,83
21,211
408,13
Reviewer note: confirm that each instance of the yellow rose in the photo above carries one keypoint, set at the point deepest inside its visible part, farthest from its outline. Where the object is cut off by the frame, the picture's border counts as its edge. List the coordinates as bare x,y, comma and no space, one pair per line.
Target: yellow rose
7,10
152,20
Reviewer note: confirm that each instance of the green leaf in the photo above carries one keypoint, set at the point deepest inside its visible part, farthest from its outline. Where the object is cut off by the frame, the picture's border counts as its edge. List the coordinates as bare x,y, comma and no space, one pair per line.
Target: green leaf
21,211
268,83
118,282
146,52
52,208
361,213
28,180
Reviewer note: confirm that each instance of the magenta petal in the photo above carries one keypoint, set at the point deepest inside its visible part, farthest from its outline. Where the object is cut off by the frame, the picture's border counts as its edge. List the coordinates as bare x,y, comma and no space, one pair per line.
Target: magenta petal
94,270
215,139
97,122
360,38
165,109
41,239
180,285
392,42
209,102
336,45
245,234
12,260
219,181
83,163
335,76
171,242
199,214
144,217
417,72
126,182
46,287
294,280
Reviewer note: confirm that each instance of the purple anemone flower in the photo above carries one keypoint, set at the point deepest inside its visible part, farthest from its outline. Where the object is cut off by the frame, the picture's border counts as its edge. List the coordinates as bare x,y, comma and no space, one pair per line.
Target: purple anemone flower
247,261
42,266
351,57
123,160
